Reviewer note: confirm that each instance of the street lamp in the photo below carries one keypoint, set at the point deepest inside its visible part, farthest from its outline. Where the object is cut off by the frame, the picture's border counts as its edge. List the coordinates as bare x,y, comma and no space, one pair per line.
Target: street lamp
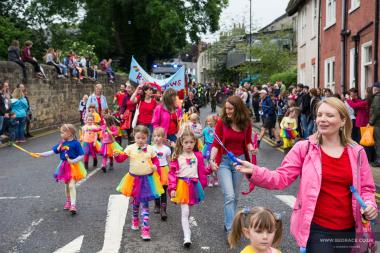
250,38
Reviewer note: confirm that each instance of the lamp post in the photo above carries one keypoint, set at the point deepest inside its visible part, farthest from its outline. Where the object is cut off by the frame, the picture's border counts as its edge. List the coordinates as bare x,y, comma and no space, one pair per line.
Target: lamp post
250,39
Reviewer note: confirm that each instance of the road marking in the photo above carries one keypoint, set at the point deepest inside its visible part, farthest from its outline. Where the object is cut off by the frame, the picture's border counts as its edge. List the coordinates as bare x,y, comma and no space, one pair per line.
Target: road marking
88,176
116,213
73,247
272,144
205,248
193,222
287,199
25,235
25,197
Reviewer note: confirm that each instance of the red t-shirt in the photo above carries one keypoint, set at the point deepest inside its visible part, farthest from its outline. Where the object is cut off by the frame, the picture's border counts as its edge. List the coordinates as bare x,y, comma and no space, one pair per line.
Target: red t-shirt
234,141
99,105
119,98
334,204
173,125
146,112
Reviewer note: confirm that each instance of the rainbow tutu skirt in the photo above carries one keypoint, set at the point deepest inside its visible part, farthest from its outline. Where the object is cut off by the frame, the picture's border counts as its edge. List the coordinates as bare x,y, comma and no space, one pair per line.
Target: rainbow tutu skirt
288,133
206,150
189,191
107,149
163,171
141,188
66,172
90,149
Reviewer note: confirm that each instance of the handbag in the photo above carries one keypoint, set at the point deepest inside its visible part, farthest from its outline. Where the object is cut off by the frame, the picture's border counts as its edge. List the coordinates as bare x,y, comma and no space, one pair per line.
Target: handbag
127,118
135,117
367,136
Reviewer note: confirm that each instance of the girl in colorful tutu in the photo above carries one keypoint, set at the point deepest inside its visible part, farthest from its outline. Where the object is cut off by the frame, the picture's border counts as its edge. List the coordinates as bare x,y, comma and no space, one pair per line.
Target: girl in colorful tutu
208,133
260,226
89,140
288,128
142,182
187,178
70,170
163,154
108,131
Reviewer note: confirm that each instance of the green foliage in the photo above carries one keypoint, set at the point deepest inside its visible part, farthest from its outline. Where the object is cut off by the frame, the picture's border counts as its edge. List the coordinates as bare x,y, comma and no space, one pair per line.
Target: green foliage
287,77
80,48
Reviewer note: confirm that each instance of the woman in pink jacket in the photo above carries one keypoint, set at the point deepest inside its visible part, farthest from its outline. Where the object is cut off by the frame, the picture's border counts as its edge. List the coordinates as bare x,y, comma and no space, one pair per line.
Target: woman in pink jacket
327,164
167,115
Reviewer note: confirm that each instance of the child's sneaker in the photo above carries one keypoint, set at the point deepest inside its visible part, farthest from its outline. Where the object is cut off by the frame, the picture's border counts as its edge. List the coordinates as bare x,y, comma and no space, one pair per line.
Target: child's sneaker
216,182
73,209
186,243
145,234
104,169
210,184
67,205
135,224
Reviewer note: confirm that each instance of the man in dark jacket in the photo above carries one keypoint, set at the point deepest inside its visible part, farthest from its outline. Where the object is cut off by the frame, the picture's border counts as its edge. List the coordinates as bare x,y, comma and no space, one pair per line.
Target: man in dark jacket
268,116
306,120
374,120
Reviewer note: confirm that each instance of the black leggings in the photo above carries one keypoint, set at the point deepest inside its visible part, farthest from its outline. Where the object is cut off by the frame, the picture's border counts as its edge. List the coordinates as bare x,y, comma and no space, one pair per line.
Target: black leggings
324,240
162,201
59,72
22,65
35,64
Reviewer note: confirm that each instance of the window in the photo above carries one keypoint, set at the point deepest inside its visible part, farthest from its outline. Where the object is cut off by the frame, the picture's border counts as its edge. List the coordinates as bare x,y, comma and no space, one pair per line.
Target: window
302,26
330,13
330,74
354,5
366,67
314,22
352,68
301,78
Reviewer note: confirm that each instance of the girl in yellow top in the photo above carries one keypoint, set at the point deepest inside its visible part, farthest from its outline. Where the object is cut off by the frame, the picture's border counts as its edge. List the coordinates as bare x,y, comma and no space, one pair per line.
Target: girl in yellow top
89,139
142,182
288,127
260,226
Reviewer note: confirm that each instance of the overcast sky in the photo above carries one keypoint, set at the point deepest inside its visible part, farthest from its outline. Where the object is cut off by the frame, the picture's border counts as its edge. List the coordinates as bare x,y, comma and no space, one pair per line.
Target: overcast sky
263,12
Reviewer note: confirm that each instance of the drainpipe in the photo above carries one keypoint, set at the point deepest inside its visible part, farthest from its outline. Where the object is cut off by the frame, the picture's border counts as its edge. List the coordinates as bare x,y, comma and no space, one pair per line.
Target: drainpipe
376,43
319,42
356,39
343,49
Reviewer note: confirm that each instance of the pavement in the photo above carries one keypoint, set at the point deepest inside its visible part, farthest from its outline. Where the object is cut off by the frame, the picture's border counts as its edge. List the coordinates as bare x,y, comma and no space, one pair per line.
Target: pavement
32,219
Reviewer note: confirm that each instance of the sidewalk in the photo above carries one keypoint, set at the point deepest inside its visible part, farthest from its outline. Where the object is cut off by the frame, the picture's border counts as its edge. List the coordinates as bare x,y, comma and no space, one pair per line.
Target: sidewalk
375,170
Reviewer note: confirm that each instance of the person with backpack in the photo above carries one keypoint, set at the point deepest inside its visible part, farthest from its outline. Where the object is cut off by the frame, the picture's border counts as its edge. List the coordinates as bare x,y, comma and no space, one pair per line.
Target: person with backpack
326,216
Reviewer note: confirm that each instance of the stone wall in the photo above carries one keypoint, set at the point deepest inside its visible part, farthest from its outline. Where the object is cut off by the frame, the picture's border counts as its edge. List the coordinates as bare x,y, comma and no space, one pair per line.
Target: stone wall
55,101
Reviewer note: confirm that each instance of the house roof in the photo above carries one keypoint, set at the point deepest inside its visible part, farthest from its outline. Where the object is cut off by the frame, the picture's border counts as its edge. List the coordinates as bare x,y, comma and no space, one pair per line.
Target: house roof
293,6
274,21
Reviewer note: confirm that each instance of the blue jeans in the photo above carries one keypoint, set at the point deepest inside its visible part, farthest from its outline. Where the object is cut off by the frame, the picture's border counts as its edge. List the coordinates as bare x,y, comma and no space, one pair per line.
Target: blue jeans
307,125
229,180
1,124
20,131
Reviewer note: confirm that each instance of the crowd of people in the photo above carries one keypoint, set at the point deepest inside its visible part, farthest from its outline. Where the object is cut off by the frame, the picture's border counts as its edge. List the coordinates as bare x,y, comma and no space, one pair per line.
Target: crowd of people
172,155
78,67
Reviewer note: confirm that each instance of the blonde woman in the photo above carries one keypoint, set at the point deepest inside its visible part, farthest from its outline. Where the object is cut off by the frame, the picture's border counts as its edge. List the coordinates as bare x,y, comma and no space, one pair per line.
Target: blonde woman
329,162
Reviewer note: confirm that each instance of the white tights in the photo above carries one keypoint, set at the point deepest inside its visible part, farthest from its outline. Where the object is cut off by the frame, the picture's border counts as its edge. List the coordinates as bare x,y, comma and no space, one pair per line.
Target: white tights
185,213
71,192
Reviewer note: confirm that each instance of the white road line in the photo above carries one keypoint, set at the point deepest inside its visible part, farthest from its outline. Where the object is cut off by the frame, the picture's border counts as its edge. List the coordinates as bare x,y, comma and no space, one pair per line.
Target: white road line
25,197
25,235
193,222
116,214
73,247
88,176
287,199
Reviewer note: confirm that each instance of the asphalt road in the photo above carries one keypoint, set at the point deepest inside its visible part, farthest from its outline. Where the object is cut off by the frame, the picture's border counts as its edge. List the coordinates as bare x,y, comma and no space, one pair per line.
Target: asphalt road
33,219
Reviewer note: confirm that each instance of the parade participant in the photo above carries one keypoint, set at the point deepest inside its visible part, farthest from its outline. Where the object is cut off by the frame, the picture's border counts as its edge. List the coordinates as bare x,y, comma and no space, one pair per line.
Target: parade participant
89,140
195,126
187,178
163,153
208,133
119,96
260,226
71,169
329,163
98,100
127,110
93,112
235,130
288,127
82,109
146,105
108,131
168,114
142,182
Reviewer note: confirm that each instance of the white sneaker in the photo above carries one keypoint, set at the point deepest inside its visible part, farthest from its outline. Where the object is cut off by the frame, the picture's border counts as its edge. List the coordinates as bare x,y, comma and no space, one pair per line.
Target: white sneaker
186,243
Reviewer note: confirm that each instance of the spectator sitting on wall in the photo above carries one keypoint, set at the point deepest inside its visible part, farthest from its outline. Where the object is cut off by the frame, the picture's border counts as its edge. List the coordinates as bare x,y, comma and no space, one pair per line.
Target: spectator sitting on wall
106,67
27,57
49,59
14,55
57,60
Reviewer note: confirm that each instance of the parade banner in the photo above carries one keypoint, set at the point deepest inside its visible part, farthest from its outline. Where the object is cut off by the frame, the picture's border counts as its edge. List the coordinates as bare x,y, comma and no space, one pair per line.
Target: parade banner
137,74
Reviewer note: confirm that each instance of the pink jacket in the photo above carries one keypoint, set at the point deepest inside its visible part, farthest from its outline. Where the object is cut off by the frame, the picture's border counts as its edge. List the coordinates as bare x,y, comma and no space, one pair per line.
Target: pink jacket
304,160
161,117
362,111
174,169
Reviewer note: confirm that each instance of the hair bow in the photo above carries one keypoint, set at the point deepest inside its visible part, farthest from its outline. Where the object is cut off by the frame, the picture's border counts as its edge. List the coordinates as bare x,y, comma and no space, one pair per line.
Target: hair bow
160,154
